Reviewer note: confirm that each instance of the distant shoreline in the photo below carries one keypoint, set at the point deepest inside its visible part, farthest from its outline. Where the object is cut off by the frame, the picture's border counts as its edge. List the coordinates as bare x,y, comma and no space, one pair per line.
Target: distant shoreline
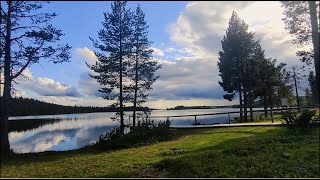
201,107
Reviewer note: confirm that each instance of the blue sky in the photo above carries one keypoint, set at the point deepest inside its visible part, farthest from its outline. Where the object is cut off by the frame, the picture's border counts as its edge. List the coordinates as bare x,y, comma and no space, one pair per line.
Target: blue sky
187,37
81,19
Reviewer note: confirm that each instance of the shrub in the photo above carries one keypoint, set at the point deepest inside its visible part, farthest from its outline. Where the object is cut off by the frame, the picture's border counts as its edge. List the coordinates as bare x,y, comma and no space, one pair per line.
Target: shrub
304,120
144,133
164,124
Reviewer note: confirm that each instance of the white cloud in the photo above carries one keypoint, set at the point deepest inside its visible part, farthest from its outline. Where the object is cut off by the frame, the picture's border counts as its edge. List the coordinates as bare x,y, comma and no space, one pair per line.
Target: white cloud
199,29
204,29
189,74
170,49
157,51
45,86
87,54
27,73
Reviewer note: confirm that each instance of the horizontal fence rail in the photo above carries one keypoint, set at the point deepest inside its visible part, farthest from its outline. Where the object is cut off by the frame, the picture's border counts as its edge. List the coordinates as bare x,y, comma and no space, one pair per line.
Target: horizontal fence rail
225,113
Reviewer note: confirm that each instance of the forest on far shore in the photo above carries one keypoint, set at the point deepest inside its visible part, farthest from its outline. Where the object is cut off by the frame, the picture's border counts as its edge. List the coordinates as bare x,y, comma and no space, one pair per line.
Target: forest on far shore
28,107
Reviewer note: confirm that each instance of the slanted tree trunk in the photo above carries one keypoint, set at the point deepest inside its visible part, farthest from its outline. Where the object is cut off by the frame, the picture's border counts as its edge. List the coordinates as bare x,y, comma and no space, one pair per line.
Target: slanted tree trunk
315,40
5,146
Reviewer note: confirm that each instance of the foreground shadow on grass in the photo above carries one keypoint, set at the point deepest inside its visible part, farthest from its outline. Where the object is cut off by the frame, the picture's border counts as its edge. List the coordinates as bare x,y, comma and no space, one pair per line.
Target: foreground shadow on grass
269,154
273,153
47,156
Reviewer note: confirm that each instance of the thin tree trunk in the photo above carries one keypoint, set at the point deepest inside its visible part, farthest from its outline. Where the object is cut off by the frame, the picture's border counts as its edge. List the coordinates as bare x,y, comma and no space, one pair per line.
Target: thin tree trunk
5,101
135,93
265,105
271,106
245,103
251,113
240,99
121,88
296,88
315,41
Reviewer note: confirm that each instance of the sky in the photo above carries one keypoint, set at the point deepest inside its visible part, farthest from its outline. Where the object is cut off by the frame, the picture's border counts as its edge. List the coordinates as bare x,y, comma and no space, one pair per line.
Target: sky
186,39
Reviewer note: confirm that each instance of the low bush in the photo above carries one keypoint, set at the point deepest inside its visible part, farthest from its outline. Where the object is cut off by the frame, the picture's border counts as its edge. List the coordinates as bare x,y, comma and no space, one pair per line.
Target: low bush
304,120
144,133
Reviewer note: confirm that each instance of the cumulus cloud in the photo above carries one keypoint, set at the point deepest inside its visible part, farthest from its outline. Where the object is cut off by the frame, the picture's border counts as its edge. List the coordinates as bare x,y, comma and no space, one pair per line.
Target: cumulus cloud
157,51
185,79
202,31
194,75
189,74
47,87
87,54
170,49
88,85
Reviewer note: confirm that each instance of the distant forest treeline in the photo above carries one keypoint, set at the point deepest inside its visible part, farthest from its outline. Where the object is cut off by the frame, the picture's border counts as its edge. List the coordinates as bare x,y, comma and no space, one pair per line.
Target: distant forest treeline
201,107
257,104
27,107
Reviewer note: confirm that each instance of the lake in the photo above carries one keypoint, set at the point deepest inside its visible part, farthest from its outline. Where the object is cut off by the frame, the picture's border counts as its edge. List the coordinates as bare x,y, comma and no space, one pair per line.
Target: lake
73,131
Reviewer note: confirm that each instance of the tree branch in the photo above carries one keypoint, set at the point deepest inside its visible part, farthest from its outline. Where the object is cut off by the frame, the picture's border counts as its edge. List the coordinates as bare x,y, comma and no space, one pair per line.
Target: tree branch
16,38
24,27
27,64
22,69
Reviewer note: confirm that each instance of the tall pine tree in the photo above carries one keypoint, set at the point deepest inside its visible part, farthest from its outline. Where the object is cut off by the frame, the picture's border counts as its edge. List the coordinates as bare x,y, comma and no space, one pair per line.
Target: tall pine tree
237,49
116,46
27,37
302,19
143,71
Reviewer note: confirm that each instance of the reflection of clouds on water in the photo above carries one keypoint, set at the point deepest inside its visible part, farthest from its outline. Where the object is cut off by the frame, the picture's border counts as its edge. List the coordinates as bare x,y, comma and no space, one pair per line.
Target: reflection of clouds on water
83,129
72,133
48,142
15,136
41,141
38,144
91,135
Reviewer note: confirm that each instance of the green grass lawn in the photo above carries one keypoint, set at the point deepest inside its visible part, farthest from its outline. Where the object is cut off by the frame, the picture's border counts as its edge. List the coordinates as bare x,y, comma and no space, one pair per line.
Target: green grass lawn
216,152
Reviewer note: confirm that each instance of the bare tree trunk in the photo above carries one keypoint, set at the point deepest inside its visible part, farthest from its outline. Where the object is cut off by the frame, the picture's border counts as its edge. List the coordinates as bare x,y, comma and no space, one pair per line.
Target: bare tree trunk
121,88
296,88
251,113
240,99
271,106
5,101
245,103
315,41
135,93
121,100
265,105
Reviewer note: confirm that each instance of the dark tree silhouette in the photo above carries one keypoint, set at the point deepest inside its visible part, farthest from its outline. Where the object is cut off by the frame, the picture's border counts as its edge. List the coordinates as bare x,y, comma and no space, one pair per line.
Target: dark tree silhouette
115,44
143,72
237,49
302,21
26,39
313,88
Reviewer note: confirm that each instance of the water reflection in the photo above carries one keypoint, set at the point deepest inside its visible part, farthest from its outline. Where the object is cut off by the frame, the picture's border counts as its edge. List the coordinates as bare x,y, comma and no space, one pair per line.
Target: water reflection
67,132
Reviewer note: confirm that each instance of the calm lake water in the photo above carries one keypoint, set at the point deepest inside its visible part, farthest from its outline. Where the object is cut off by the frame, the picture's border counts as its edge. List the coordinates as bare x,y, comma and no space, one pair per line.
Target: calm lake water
73,131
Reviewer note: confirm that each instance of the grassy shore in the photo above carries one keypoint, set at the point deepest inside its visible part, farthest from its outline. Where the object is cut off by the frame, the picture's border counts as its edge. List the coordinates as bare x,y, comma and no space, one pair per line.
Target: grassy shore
222,152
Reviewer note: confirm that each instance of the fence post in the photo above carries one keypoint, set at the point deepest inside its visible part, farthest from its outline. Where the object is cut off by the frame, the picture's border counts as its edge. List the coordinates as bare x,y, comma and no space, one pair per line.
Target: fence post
229,118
